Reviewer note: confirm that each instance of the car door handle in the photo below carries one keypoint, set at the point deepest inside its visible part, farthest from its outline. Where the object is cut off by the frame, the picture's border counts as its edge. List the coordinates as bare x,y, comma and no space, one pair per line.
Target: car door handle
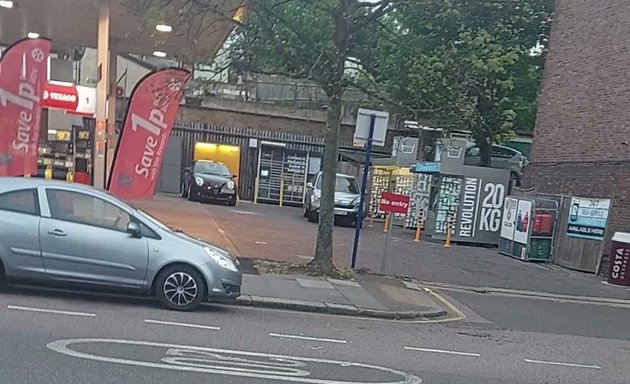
57,232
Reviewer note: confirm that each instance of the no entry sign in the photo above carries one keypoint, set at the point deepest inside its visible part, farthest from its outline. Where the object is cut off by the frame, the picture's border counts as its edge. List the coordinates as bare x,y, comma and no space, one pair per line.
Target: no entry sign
394,203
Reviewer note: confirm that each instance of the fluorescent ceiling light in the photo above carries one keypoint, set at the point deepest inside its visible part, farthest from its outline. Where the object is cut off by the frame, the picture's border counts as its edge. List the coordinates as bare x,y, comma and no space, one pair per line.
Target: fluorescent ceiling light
164,28
33,35
159,54
6,4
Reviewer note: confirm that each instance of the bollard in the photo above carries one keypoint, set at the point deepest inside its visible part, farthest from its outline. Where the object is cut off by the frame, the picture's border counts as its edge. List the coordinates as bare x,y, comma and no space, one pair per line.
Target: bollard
48,173
386,228
449,231
256,190
281,191
371,222
419,228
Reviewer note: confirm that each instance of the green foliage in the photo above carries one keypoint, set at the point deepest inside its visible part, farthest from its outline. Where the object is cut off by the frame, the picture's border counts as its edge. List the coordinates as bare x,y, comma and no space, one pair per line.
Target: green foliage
465,63
308,39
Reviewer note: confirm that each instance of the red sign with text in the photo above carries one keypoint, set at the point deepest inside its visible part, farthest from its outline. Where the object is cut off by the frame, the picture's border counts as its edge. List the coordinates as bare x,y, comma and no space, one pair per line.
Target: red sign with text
61,96
394,203
23,73
148,123
73,99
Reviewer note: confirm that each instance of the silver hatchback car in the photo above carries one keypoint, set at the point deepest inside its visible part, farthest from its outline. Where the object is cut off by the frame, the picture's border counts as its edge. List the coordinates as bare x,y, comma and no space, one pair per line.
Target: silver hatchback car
59,231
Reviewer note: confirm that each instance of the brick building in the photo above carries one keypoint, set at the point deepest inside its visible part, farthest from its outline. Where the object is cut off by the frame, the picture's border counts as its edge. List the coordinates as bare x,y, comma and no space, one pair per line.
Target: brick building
582,131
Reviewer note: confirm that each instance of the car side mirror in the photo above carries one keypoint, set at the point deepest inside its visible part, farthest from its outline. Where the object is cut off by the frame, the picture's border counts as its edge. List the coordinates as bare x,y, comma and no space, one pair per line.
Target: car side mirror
310,186
133,228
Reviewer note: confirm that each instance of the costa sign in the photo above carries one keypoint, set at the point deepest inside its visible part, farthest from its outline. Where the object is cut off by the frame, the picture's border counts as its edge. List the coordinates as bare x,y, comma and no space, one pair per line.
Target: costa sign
70,98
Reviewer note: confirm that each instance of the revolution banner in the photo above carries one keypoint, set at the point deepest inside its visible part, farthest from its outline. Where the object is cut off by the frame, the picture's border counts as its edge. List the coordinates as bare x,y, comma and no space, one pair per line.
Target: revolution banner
149,120
23,73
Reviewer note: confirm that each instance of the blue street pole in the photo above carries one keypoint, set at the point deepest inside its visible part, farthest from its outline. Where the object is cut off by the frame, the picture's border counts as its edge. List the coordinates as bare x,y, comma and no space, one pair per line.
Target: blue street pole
366,170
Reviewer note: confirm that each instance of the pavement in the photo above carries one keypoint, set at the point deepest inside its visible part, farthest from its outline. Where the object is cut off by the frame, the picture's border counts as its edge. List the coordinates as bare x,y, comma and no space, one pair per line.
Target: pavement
367,296
58,337
258,231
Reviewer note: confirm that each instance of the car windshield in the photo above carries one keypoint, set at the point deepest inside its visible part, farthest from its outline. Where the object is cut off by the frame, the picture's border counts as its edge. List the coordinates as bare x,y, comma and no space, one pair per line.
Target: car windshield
343,184
208,168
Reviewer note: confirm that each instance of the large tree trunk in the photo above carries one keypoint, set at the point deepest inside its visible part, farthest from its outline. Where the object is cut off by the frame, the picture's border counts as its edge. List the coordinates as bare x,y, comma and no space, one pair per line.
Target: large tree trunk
323,260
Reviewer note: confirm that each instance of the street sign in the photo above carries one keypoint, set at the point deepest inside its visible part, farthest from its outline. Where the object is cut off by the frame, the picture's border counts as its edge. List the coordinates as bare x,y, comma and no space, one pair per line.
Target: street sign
362,128
394,203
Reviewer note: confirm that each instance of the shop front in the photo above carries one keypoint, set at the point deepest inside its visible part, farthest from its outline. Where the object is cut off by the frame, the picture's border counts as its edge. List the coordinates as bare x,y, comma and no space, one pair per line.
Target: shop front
466,200
394,175
65,150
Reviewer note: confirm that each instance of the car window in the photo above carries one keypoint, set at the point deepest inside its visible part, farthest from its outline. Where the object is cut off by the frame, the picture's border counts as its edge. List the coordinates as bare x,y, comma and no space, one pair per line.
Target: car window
504,153
472,152
208,168
85,209
346,185
22,201
342,184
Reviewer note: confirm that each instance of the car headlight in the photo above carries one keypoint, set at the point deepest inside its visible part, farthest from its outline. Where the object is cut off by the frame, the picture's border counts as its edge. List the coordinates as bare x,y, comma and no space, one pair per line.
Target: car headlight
199,181
230,185
221,259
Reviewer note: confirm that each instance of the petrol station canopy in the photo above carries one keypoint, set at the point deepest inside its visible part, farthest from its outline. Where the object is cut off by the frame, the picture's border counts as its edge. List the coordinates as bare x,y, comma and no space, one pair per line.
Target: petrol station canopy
74,23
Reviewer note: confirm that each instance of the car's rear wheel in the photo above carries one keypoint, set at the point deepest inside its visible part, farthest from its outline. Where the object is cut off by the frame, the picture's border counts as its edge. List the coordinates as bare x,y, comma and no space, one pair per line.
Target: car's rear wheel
180,288
312,216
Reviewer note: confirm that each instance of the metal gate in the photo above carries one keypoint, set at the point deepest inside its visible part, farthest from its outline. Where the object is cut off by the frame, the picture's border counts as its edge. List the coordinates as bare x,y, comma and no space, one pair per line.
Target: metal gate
251,141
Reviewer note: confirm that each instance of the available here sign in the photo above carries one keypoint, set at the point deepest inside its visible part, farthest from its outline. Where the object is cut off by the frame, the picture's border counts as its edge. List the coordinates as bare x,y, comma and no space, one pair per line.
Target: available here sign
394,203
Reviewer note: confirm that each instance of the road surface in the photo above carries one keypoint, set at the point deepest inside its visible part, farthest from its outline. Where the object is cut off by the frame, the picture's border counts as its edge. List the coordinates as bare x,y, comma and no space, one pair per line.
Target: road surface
58,337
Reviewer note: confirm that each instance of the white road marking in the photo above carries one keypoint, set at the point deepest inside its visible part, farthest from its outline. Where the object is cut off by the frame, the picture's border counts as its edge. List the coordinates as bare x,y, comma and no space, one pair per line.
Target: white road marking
307,338
217,366
187,325
442,351
573,365
53,311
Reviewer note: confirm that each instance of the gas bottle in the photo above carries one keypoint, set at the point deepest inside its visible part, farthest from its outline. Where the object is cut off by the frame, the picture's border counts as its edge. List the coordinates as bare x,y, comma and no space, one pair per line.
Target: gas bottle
537,223
543,223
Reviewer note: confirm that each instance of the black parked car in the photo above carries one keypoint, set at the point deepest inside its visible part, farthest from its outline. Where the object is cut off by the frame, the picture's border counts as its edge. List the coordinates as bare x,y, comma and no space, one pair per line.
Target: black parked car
209,180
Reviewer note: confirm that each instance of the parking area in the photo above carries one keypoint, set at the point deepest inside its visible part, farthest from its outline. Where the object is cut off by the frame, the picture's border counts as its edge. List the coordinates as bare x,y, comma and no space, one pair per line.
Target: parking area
259,231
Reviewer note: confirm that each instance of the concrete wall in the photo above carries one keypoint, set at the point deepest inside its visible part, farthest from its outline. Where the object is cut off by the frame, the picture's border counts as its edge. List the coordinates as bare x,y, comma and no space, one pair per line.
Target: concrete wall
579,141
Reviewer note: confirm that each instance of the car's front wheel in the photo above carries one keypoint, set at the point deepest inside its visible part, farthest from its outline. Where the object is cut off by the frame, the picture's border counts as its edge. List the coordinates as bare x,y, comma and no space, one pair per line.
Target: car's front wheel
180,288
190,195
